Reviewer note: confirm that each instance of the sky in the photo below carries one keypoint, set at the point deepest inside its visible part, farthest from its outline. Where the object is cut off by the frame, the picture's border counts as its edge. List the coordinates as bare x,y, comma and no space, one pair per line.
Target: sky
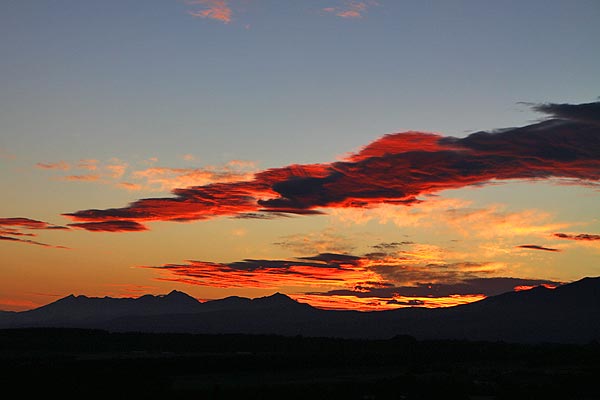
352,154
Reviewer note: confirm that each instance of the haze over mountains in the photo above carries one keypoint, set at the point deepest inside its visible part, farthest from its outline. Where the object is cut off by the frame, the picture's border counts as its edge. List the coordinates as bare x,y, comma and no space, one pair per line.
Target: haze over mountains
567,314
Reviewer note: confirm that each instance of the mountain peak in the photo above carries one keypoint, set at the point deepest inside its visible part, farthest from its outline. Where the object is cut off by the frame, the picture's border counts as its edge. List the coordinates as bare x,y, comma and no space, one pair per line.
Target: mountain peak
276,299
177,296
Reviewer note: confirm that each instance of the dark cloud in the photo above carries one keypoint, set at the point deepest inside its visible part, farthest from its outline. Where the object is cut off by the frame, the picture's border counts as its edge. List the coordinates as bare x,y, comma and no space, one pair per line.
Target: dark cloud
588,113
110,226
395,169
326,268
391,245
537,247
28,223
14,226
491,286
577,236
406,303
28,241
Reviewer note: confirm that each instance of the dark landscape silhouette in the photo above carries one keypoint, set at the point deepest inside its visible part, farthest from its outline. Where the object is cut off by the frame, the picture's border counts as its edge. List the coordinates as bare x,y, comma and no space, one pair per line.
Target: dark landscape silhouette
535,344
567,314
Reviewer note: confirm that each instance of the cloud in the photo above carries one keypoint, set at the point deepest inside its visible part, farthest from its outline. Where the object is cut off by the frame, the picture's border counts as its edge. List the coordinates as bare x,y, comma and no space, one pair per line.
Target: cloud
163,178
14,226
321,270
28,223
350,9
61,165
130,186
82,178
490,286
391,245
587,113
110,226
398,169
88,164
577,236
536,247
218,10
371,281
326,241
28,241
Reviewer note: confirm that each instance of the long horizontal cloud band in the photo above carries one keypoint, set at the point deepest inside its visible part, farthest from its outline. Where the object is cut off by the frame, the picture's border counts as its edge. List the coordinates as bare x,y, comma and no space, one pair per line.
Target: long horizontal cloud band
389,282
396,168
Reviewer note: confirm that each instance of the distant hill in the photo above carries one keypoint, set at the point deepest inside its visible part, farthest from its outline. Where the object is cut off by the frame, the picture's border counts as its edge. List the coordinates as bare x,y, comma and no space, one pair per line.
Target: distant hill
567,314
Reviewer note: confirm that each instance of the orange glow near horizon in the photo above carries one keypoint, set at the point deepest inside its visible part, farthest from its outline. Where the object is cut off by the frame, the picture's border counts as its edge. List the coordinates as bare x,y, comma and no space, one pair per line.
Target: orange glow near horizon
336,302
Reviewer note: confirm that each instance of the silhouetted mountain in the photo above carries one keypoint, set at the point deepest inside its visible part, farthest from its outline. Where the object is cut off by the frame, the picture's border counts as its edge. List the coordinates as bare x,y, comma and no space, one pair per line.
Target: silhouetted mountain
569,313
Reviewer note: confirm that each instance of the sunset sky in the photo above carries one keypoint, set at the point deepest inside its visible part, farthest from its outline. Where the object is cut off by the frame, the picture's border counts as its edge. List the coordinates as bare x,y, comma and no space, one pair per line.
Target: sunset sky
351,154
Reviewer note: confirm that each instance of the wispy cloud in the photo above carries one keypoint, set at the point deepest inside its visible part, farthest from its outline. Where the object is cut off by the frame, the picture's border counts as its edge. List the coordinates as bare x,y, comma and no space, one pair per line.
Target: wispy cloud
11,230
164,178
60,165
81,178
218,10
350,9
392,170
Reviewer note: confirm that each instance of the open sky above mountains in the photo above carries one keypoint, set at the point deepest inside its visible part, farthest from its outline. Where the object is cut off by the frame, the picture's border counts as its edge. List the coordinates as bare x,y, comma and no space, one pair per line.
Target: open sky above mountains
352,154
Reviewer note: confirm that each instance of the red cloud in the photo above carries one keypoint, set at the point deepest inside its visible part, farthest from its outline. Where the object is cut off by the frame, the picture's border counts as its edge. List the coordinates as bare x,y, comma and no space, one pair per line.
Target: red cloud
110,226
324,269
28,223
14,227
394,169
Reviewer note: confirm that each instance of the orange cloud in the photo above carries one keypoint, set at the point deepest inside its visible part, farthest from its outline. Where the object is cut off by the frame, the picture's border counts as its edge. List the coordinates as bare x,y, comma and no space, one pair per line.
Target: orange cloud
218,10
61,165
82,178
326,241
373,281
340,302
89,164
130,186
350,9
162,178
329,270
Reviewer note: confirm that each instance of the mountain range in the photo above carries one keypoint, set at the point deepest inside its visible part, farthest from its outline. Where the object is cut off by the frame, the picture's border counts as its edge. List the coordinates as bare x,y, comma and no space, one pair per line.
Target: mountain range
567,314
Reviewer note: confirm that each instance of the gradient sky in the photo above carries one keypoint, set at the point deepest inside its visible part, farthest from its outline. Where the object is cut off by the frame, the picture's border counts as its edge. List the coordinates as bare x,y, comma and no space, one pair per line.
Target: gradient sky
277,113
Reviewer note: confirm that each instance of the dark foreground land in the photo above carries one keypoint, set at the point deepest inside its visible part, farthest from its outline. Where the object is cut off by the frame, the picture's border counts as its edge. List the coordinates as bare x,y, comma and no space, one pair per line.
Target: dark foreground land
89,363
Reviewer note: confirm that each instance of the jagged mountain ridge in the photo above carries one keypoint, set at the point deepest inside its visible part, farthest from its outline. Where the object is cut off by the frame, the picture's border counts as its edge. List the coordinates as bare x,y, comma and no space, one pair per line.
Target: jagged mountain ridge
569,313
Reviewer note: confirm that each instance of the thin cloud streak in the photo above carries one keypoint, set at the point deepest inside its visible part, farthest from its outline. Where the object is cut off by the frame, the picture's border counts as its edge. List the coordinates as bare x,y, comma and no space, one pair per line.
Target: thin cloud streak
14,226
61,165
537,247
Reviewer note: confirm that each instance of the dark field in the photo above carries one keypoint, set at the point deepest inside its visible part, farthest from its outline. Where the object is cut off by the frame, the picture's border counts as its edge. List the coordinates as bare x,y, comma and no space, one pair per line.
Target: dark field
89,363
